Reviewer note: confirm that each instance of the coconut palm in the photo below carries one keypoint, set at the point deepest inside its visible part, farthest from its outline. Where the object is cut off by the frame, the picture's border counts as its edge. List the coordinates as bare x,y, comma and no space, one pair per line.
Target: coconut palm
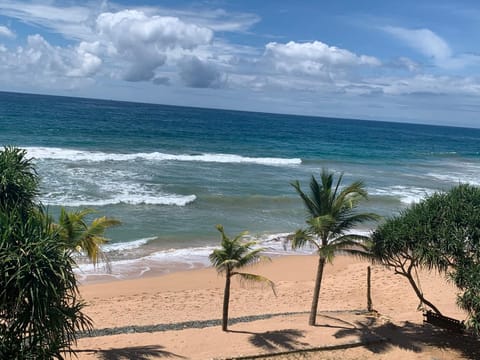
331,215
233,255
79,236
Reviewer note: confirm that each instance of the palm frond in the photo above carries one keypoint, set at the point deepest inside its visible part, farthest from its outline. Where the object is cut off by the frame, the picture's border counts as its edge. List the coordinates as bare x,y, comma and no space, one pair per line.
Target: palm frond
77,235
99,225
234,253
253,278
251,257
348,220
303,238
337,186
321,225
218,257
349,239
332,214
309,204
327,252
361,254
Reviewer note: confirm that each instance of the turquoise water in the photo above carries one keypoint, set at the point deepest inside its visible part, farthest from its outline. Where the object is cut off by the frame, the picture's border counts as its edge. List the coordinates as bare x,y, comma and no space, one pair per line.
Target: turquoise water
171,173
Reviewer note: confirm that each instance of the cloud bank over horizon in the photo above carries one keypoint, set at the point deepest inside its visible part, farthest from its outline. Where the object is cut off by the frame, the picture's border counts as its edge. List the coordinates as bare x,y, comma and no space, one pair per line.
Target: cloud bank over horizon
220,58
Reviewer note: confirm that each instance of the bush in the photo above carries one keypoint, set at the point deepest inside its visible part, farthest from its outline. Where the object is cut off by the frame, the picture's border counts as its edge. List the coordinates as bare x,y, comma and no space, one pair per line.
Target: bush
39,306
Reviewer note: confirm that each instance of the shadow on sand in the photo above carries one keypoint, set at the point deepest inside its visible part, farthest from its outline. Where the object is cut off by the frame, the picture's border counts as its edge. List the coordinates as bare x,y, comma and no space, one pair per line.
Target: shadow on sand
410,336
346,325
275,340
134,353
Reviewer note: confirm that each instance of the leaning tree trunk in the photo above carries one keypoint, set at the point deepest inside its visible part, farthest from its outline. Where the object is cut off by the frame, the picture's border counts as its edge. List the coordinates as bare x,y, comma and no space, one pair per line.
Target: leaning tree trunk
226,300
316,291
418,292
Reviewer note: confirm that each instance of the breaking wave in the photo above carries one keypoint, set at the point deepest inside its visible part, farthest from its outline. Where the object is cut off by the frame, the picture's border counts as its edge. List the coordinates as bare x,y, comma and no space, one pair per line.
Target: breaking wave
45,153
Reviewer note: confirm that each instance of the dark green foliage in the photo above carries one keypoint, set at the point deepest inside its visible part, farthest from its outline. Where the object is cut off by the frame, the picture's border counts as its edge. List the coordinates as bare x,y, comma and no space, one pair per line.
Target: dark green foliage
443,233
39,306
331,214
18,179
40,310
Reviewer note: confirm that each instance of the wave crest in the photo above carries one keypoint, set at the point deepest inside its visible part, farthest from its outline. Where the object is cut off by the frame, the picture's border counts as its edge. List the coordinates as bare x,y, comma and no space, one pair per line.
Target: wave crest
175,200
44,153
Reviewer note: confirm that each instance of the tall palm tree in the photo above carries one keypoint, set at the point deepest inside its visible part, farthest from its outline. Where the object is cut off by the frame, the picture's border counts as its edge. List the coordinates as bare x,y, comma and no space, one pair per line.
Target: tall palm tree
233,255
331,215
73,230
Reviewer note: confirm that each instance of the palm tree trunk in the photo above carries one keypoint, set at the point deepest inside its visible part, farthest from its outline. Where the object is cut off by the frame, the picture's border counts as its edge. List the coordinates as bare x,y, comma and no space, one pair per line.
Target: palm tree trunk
226,300
316,291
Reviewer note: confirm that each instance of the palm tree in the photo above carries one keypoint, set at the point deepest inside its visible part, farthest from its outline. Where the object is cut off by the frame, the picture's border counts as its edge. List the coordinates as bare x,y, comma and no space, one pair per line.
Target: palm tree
77,235
331,214
234,255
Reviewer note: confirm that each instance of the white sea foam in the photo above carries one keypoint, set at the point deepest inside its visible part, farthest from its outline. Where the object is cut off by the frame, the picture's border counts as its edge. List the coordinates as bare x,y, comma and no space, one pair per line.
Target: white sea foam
129,245
407,195
44,153
110,189
456,178
168,260
130,199
163,261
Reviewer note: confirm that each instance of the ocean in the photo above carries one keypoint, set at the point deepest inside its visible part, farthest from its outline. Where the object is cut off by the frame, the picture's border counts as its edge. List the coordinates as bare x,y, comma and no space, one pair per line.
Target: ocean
170,174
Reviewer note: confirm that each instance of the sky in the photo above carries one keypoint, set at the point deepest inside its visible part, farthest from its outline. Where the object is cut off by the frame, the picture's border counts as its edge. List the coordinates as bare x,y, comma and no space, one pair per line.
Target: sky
412,61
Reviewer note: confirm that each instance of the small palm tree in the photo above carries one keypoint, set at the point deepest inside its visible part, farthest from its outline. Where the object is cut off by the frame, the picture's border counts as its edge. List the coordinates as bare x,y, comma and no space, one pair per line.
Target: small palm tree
73,229
331,214
234,255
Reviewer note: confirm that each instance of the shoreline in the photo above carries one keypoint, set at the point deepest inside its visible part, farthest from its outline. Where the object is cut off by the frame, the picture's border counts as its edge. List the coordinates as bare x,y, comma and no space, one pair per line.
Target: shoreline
152,261
197,295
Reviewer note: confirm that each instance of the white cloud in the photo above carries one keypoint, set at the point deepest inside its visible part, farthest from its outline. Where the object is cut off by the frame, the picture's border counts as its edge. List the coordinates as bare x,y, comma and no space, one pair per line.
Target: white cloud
76,22
86,63
429,44
186,47
129,45
214,19
40,62
430,84
423,40
405,63
144,42
6,32
314,58
139,44
200,74
40,54
128,27
72,22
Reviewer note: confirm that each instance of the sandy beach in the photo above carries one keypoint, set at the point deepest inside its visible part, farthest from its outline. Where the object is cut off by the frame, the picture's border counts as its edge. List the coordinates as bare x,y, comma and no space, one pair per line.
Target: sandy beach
344,328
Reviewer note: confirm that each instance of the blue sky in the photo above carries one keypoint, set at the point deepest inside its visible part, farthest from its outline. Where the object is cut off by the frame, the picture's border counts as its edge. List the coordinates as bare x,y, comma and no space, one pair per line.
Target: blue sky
415,61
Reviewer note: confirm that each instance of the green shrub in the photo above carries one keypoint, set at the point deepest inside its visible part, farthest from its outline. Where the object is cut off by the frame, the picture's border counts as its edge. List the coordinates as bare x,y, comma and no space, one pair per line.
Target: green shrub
40,311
